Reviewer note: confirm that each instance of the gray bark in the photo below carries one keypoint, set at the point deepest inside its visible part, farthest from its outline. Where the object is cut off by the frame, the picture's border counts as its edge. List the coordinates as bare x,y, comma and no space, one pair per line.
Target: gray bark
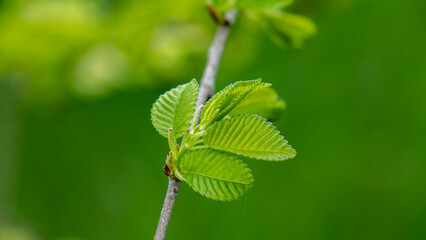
166,212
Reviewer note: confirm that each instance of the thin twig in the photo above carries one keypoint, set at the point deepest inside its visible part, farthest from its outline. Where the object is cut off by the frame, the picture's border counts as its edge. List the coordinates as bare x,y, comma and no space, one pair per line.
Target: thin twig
213,59
166,212
207,84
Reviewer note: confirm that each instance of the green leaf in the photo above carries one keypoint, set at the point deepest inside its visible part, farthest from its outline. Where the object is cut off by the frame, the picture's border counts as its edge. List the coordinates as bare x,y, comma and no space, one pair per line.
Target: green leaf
216,175
287,28
174,109
265,103
262,4
248,135
224,101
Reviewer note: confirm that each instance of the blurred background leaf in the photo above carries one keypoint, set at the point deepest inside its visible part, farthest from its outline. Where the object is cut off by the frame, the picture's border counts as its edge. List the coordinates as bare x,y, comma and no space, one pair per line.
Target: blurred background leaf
262,5
79,158
286,28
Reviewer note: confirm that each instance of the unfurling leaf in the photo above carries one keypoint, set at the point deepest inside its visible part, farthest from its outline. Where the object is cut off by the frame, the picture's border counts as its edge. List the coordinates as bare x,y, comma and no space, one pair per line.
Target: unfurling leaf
248,135
216,175
287,28
224,101
174,109
265,103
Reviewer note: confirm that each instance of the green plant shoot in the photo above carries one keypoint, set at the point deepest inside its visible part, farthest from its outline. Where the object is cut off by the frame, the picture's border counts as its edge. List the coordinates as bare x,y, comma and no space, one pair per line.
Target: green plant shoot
232,123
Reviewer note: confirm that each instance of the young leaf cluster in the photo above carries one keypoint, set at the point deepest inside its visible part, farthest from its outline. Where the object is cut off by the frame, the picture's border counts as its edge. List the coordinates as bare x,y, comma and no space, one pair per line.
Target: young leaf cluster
232,123
283,27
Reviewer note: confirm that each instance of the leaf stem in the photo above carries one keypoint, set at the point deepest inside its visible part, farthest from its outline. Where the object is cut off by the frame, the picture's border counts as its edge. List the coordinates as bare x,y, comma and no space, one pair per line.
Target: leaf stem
207,84
199,147
198,141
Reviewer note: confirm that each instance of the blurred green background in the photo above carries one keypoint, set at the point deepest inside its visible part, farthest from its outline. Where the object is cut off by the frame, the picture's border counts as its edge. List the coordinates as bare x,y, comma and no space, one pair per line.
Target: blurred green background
79,158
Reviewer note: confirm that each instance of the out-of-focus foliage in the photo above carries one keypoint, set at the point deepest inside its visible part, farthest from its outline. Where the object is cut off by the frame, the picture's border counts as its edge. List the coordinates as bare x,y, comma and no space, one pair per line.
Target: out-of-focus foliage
256,5
59,49
262,5
283,27
15,233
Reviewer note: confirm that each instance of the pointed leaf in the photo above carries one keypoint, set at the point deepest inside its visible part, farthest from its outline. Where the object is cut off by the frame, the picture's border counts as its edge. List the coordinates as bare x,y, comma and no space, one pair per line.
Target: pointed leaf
248,135
265,103
174,109
216,175
224,101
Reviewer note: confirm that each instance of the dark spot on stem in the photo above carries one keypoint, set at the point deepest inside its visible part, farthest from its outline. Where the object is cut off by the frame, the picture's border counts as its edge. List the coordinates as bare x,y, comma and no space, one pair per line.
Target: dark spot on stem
166,170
